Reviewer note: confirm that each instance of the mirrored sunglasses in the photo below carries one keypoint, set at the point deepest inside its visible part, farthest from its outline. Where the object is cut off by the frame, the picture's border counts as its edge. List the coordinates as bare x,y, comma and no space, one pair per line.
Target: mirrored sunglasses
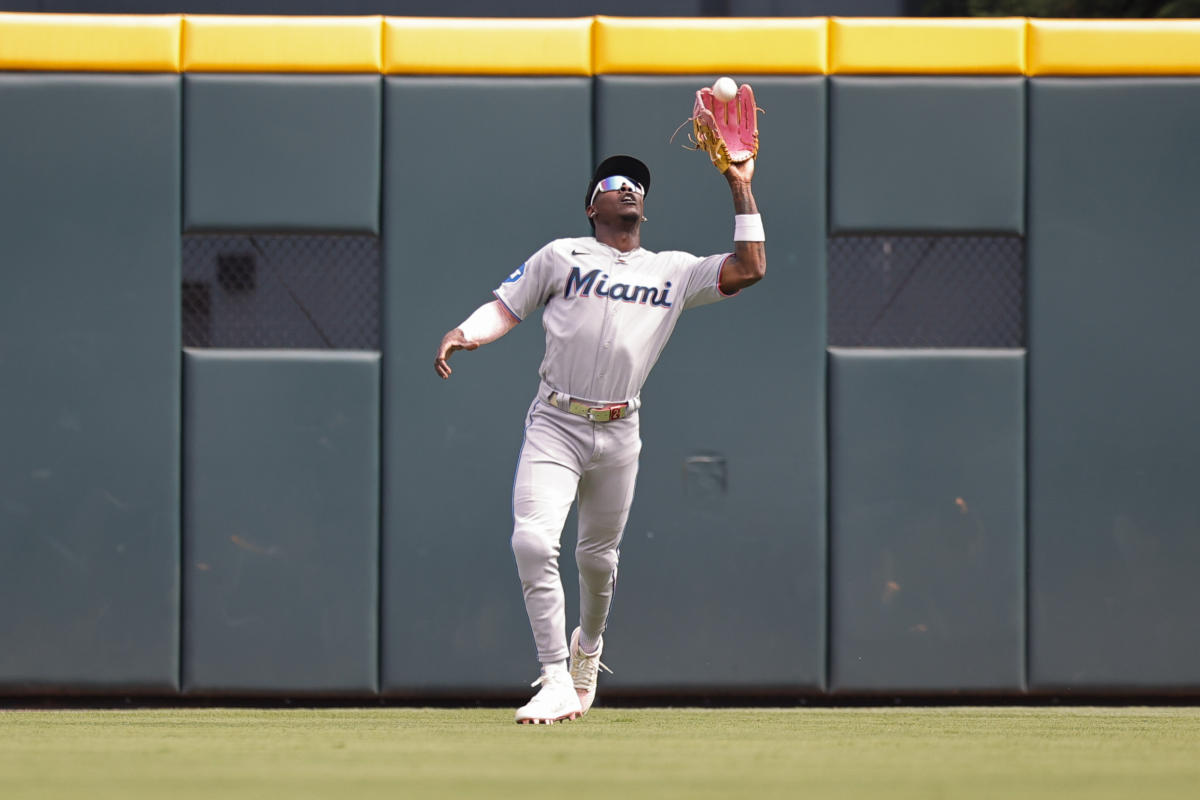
615,182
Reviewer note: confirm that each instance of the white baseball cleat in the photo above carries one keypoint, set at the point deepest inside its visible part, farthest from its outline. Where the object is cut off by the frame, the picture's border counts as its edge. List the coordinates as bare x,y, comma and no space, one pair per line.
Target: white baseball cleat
554,702
584,669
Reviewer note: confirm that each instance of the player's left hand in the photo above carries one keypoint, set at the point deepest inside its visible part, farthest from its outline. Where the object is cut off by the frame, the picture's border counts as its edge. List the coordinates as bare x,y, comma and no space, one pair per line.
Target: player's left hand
451,342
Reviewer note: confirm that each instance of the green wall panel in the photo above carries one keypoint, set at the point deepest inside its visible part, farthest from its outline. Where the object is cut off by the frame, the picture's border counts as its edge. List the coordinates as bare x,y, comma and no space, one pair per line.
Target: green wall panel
282,152
89,365
1114,423
281,521
454,228
927,524
723,563
927,154
732,488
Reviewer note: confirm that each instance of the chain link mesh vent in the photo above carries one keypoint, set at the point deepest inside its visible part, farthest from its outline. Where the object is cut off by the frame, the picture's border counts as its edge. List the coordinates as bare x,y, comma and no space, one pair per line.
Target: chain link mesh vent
926,291
281,291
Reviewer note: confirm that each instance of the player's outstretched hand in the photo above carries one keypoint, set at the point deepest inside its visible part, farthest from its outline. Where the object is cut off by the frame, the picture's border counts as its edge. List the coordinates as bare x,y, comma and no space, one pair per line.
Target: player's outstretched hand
452,341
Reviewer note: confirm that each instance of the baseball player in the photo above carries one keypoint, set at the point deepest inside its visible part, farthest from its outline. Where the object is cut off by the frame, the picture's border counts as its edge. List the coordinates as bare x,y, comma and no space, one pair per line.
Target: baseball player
609,308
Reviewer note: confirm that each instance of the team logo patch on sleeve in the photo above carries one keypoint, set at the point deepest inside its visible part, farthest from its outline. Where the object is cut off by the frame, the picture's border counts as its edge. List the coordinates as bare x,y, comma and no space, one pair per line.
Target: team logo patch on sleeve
516,276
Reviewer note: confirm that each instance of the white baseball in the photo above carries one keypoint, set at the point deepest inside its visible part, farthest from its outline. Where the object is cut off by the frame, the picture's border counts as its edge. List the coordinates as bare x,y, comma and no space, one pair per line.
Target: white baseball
724,89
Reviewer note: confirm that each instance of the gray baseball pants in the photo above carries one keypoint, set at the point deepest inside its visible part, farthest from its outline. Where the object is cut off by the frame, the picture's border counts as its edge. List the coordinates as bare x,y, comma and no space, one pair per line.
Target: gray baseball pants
566,457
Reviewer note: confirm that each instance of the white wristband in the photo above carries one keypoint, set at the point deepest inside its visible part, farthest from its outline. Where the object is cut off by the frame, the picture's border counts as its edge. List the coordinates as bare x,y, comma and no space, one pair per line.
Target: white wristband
748,228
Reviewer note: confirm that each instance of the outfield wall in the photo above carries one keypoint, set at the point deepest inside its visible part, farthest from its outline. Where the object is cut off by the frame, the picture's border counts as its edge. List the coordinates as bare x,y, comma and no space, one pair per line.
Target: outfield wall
810,520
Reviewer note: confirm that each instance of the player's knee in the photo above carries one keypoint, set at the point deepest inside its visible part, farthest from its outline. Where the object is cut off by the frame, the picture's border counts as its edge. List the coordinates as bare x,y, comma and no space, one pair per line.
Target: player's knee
595,564
532,548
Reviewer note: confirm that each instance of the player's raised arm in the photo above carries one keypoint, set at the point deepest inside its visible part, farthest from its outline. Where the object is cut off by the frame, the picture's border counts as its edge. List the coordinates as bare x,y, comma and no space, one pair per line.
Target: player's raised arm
487,324
749,262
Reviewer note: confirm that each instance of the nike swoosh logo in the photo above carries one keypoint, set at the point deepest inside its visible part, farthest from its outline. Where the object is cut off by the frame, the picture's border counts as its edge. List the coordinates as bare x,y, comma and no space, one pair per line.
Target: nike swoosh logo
580,253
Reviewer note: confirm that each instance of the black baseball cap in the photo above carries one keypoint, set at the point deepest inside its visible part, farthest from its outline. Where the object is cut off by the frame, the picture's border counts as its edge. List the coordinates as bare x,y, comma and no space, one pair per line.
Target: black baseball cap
628,166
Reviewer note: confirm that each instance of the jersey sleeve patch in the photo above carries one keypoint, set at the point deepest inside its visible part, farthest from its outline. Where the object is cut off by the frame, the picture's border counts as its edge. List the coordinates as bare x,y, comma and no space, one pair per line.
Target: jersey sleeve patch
525,288
517,274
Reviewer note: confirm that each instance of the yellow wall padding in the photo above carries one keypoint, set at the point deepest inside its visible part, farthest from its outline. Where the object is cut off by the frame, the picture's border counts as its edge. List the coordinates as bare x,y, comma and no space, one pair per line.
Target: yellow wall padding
282,44
710,46
417,46
927,46
1111,47
90,42
598,45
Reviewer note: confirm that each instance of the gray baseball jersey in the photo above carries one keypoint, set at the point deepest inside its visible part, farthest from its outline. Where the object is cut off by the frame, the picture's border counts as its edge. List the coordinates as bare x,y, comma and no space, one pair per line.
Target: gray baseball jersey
608,314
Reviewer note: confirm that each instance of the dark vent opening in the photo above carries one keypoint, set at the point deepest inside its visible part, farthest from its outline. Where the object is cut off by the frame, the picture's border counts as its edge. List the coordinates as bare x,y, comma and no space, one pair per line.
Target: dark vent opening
926,291
302,291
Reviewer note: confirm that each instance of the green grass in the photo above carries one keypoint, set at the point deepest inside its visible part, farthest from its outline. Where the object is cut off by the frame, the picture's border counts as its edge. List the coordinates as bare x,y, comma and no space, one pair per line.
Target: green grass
621,754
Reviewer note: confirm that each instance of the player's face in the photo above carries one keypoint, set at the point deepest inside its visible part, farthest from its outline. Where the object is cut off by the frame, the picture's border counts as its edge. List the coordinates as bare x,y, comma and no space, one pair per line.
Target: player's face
618,197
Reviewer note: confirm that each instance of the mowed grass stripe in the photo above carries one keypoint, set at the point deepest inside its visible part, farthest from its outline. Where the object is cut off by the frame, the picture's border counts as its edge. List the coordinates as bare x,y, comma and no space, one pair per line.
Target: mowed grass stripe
614,753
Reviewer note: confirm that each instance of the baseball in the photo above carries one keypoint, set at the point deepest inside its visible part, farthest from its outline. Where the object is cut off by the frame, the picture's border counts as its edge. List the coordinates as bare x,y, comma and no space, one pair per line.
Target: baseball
724,89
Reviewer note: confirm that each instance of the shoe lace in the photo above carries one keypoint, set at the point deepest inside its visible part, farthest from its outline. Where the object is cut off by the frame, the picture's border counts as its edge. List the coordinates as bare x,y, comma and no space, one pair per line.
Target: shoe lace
585,667
546,678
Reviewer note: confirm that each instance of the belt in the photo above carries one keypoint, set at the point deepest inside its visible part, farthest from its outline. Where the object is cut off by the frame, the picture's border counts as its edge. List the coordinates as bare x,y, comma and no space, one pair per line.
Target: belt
606,413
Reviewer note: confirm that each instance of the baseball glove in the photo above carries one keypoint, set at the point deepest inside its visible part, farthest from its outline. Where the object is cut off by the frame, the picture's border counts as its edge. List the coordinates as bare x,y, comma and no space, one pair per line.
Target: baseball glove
727,131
